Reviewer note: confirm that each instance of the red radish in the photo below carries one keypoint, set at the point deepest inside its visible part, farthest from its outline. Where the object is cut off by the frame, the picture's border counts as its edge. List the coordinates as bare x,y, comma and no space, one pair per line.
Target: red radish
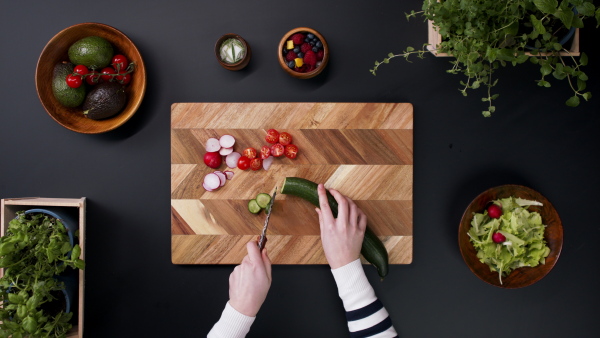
222,177
229,174
212,181
498,237
494,211
232,159
227,141
213,159
277,149
206,188
212,145
225,151
267,162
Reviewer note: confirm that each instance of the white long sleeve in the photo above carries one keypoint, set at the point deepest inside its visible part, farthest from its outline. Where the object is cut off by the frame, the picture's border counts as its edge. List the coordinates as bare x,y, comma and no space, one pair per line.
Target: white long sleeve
232,324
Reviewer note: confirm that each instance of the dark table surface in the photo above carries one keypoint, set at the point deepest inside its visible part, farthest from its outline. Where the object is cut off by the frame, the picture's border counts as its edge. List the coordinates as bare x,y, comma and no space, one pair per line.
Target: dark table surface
133,290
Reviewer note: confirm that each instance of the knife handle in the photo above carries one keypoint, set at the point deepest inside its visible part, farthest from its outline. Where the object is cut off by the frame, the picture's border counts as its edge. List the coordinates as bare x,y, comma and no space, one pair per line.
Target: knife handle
262,240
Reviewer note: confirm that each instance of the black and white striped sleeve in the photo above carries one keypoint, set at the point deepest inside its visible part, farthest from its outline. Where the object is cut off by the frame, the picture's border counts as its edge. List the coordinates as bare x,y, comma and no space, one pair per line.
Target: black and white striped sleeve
366,315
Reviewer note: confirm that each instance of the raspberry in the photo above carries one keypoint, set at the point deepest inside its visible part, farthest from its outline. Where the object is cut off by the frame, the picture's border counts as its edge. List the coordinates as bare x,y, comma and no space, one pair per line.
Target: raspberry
320,55
310,58
290,56
305,47
298,38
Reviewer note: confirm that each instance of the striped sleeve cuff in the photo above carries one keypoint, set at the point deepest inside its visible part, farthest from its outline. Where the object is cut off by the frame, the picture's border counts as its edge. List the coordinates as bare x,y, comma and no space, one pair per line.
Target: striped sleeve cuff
232,324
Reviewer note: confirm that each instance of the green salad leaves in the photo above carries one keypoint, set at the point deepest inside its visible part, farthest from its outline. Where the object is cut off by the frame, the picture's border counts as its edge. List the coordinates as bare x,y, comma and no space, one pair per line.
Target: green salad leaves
524,243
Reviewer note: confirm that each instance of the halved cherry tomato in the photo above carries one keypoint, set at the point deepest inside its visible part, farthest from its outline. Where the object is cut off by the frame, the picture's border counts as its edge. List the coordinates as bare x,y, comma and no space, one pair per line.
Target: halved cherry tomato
107,72
285,138
265,152
291,151
255,164
249,153
81,70
243,163
74,81
120,62
92,78
277,149
272,136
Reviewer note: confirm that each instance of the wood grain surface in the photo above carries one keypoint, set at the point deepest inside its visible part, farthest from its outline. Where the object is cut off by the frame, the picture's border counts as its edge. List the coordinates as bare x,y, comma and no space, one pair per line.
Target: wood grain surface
364,150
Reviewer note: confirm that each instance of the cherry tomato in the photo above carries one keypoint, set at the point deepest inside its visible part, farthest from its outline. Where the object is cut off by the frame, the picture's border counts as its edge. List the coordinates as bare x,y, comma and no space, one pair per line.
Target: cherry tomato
272,136
285,138
291,151
119,62
92,78
108,71
265,152
277,149
244,163
81,70
255,164
249,153
124,79
74,81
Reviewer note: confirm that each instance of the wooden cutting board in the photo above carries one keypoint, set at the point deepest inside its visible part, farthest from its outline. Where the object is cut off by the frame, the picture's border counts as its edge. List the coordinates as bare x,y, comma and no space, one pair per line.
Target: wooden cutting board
364,150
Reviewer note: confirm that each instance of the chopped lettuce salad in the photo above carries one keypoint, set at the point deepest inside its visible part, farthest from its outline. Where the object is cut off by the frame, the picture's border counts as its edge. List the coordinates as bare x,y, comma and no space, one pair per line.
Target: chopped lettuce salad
524,243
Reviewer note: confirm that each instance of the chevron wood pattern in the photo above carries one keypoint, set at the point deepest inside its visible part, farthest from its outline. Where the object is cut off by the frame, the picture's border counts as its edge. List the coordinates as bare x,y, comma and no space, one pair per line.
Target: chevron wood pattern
364,150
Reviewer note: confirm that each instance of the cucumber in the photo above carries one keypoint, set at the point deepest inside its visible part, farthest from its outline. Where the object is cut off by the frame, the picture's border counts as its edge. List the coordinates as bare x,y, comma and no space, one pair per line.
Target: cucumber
372,249
263,199
253,207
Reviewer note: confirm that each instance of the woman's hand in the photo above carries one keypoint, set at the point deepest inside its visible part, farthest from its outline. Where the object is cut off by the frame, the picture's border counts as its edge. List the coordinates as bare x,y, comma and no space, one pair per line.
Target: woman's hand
342,237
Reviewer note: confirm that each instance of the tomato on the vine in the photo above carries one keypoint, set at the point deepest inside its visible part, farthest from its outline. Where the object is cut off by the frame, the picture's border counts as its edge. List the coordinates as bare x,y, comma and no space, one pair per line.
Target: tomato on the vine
74,81
249,153
255,164
285,138
277,149
265,152
120,62
107,73
81,70
92,78
272,136
291,151
243,163
124,79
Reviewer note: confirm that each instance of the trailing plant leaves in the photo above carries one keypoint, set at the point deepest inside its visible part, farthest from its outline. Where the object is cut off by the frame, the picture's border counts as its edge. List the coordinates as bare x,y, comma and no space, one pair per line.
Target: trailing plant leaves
565,16
546,6
573,101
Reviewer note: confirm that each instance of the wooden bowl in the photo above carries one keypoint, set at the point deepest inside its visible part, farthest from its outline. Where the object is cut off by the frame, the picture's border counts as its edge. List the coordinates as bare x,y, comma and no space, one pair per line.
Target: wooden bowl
238,65
520,277
292,72
56,51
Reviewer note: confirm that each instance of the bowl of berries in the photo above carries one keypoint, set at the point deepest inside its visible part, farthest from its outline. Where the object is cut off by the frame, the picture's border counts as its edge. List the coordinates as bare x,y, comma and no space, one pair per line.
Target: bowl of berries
303,53
90,78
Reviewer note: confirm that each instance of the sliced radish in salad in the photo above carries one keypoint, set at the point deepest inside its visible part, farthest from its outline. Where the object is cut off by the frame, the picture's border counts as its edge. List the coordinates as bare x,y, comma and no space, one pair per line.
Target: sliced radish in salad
232,159
222,177
212,145
212,181
229,174
267,162
227,141
206,188
226,151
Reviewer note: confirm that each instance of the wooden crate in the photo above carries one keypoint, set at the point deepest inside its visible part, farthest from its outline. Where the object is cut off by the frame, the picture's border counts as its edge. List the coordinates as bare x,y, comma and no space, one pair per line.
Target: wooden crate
435,38
76,207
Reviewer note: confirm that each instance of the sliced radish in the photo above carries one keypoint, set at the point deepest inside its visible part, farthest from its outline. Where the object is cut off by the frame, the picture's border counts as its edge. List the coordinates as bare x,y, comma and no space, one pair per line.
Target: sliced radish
227,141
267,162
232,159
222,177
229,174
206,188
226,151
212,181
212,145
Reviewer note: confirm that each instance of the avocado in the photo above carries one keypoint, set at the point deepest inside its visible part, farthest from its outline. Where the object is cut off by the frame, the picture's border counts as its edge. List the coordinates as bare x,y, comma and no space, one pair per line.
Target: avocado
67,96
93,52
105,100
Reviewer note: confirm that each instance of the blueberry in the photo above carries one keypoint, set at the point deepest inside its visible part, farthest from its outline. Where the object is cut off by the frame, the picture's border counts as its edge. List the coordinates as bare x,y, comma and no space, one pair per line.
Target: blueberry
300,55
285,51
319,44
297,50
310,35
291,64
307,40
315,49
312,43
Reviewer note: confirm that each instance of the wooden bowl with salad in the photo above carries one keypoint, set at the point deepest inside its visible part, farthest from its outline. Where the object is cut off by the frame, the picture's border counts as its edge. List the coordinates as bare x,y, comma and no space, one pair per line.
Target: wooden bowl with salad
520,234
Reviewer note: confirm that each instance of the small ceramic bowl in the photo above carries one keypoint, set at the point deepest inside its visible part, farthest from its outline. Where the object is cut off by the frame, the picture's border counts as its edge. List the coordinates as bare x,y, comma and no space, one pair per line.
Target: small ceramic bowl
56,51
520,277
283,63
237,65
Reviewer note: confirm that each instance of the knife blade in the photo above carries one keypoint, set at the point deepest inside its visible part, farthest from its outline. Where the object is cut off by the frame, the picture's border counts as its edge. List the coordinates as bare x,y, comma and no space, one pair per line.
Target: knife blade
263,236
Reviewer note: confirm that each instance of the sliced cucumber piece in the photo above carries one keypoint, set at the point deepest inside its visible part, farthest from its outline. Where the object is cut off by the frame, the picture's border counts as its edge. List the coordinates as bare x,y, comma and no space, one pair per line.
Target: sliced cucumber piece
253,207
263,200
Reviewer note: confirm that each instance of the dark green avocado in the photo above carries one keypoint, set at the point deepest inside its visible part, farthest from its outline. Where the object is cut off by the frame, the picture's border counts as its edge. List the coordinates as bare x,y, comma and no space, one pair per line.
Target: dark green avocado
107,99
67,96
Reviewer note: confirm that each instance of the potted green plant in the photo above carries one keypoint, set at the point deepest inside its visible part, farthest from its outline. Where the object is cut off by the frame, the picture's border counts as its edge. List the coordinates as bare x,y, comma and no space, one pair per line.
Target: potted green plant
36,253
482,36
